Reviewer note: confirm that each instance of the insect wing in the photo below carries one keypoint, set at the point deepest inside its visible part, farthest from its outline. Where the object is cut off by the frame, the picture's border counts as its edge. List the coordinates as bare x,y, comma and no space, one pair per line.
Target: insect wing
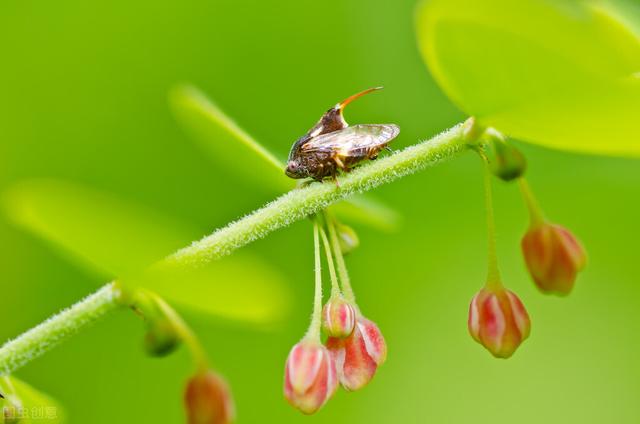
352,138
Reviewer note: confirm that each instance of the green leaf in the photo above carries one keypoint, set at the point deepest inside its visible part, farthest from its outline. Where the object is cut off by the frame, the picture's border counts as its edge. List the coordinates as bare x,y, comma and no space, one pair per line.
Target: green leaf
230,147
562,73
30,405
120,238
240,287
109,234
368,211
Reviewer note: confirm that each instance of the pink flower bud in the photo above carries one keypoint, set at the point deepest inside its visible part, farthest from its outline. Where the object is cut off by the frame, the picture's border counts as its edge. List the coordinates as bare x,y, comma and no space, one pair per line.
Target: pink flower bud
338,317
358,356
554,257
498,321
310,377
208,400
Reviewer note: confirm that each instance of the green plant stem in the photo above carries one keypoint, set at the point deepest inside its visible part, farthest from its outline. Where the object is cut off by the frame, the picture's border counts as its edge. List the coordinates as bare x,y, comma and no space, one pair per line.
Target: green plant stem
288,208
536,216
493,273
335,288
50,333
186,334
347,291
313,334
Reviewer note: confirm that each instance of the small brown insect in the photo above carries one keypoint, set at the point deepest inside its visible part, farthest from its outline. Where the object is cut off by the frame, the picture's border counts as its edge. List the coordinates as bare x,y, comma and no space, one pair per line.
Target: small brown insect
332,145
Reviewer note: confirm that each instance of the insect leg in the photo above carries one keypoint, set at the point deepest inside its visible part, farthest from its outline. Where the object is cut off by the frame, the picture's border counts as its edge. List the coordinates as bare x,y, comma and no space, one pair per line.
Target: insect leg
339,162
389,149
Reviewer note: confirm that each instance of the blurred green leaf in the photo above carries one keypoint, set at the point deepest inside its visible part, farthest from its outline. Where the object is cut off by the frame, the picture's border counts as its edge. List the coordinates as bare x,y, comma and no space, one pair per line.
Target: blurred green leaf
30,405
368,211
241,287
230,147
121,238
562,73
114,236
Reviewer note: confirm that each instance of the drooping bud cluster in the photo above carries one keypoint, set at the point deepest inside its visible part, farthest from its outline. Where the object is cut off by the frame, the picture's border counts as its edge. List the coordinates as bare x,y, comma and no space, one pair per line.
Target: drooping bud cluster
354,347
497,318
207,400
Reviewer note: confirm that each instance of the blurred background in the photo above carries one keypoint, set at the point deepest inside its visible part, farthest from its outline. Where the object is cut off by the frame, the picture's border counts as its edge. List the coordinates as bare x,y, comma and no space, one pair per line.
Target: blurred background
85,100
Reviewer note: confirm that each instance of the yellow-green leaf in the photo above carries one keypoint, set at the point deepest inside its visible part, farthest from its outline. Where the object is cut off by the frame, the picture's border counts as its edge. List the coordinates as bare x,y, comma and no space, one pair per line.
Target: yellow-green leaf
562,73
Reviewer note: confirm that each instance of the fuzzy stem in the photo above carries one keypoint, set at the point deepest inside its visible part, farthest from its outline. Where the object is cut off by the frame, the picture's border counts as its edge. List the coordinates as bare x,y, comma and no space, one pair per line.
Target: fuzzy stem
342,267
50,333
288,208
313,333
305,201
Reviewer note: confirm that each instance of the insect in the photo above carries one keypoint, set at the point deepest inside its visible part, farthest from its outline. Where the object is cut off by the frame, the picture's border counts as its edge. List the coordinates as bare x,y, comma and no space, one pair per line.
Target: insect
332,145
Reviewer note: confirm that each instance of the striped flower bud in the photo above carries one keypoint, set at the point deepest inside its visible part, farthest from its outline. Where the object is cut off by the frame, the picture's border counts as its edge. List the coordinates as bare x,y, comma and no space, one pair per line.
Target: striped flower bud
498,321
208,400
310,376
553,256
338,317
358,356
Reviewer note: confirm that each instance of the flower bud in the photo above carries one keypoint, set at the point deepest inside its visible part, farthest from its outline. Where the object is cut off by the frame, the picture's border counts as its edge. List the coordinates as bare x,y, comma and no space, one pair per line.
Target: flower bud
553,256
310,376
498,321
161,337
338,317
208,400
505,161
358,356
347,237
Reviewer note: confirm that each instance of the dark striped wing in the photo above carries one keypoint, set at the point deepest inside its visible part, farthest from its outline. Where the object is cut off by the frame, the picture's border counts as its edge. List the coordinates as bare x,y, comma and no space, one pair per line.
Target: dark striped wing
352,138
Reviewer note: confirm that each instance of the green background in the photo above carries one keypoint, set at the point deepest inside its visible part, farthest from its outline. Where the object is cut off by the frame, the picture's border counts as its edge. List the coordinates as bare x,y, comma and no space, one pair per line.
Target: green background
84,98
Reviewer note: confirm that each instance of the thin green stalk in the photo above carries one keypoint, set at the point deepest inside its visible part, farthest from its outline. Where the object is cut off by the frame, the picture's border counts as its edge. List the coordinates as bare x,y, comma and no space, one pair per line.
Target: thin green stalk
536,215
288,208
335,288
186,334
50,333
313,333
493,273
347,291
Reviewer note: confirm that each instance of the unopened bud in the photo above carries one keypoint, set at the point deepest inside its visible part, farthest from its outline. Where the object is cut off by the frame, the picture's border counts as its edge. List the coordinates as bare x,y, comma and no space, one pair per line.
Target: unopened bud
553,256
208,400
505,160
161,337
358,356
338,317
347,237
498,321
310,376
